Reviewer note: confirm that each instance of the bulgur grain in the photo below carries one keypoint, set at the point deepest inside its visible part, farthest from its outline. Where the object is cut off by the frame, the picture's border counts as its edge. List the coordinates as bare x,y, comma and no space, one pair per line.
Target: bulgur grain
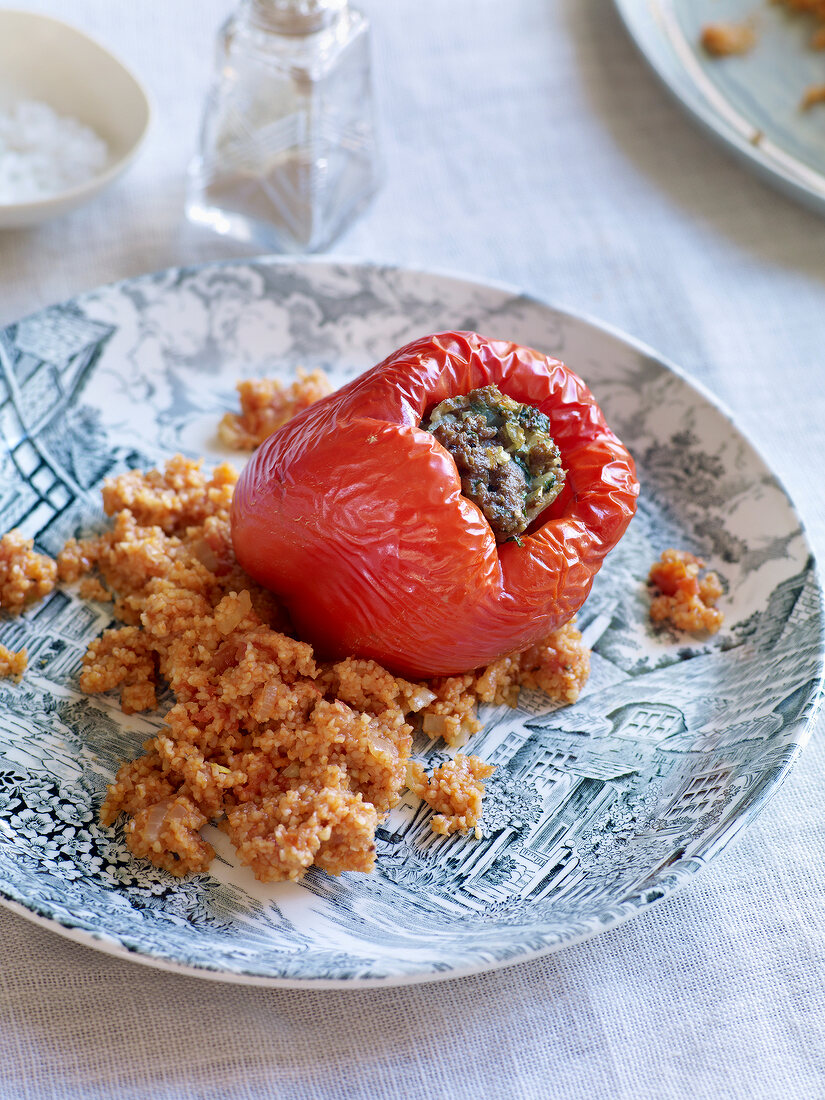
12,663
813,8
454,791
815,94
91,589
121,658
559,665
266,404
25,576
726,39
685,599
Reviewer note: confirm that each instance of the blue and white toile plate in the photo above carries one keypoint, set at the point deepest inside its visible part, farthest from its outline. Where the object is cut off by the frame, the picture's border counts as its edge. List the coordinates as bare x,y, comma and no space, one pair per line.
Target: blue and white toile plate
595,812
751,103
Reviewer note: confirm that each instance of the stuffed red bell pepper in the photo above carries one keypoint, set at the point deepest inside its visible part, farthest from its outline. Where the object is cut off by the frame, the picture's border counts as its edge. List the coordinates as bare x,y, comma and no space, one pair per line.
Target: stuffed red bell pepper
451,505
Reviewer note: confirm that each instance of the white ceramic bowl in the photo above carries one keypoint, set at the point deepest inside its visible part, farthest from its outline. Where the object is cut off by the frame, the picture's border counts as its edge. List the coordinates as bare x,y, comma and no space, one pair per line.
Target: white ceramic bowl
46,60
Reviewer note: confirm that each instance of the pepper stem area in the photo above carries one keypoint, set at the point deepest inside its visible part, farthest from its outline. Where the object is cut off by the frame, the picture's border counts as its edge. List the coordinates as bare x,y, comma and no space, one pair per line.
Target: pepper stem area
507,461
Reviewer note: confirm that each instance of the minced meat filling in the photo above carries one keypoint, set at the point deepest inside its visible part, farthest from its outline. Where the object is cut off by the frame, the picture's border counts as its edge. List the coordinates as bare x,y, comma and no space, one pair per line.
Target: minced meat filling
508,463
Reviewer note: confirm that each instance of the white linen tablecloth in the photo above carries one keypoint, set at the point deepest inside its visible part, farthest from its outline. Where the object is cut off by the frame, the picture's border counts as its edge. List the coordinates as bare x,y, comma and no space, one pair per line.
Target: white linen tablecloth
525,142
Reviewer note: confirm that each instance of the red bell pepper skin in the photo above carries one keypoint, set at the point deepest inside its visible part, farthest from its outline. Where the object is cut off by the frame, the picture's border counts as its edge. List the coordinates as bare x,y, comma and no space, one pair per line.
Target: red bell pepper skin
354,516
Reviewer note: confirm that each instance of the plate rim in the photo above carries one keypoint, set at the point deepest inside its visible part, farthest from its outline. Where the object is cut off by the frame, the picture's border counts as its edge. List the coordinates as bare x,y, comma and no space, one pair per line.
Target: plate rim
102,942
773,168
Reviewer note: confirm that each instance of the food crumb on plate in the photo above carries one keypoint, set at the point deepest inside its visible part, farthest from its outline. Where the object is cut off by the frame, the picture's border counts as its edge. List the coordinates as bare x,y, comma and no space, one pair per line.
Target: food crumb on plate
266,404
727,39
454,790
814,8
685,599
815,94
25,575
558,665
12,663
91,589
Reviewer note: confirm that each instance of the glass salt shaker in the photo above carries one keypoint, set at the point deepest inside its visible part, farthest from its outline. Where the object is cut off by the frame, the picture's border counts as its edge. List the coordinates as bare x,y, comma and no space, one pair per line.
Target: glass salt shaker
287,156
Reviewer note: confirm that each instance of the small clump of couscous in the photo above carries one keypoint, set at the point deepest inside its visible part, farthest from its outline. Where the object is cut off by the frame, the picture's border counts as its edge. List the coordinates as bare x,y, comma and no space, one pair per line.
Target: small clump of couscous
266,404
726,39
25,575
454,791
684,598
13,663
814,9
815,94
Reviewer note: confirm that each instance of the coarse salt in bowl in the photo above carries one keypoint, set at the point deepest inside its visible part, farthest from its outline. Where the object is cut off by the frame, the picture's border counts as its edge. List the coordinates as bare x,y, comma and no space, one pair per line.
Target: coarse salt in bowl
72,117
43,153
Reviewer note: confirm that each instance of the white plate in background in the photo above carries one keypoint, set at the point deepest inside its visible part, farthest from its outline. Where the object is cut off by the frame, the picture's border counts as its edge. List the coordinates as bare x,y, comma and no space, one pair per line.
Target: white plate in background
751,103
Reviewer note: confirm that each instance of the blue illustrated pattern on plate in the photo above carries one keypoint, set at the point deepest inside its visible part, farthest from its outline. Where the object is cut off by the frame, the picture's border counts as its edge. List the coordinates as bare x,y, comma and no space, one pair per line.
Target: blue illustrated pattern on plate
595,811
